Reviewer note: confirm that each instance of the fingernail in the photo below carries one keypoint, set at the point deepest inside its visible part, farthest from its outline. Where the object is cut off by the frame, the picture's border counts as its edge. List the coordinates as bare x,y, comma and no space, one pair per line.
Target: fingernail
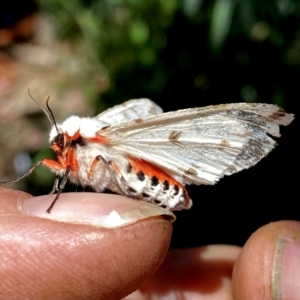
286,270
100,210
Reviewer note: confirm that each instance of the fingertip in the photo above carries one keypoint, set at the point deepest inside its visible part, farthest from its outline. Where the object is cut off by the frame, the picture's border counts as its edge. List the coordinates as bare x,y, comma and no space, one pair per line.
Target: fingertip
140,251
79,261
96,209
258,273
9,199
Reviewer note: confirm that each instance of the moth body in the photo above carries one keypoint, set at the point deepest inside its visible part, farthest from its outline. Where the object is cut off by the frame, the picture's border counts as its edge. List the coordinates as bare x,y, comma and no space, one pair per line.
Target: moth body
94,162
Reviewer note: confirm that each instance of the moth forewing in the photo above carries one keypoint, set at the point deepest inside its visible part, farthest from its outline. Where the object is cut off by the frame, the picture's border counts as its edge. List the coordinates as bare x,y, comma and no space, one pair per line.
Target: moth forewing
201,145
136,150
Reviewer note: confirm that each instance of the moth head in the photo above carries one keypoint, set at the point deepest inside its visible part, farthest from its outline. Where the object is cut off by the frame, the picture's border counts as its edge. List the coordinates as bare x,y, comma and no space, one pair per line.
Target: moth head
65,135
59,142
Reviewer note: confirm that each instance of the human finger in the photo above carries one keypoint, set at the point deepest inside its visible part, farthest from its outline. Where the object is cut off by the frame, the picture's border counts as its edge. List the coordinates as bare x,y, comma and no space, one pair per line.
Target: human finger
77,258
195,273
269,264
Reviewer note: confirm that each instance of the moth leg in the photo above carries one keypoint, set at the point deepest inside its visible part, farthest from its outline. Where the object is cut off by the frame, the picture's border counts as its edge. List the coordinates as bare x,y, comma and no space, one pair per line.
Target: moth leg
118,178
49,163
95,163
60,188
53,165
121,183
28,172
55,187
112,171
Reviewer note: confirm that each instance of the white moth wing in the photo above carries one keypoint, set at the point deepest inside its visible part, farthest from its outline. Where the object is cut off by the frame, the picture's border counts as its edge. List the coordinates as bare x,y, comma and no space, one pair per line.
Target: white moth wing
130,110
201,145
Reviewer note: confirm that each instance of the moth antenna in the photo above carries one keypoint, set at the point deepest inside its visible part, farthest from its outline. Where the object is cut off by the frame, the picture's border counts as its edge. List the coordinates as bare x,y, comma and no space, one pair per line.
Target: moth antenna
48,112
51,114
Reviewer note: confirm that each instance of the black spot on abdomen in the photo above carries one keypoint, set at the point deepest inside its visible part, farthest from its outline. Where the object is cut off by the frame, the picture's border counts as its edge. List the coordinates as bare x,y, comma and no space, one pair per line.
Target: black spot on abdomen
154,181
140,175
131,190
176,189
166,185
129,168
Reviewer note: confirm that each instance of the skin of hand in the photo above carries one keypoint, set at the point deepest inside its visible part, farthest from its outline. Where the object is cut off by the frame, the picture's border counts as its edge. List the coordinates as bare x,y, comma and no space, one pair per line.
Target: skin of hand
97,246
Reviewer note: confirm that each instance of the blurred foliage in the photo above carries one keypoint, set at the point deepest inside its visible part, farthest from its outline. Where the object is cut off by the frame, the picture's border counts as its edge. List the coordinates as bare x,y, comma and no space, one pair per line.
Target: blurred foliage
208,52
127,37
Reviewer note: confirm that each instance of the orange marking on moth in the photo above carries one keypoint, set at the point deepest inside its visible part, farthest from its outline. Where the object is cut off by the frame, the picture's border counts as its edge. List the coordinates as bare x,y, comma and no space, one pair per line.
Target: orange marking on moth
98,139
71,160
75,136
55,148
150,170
52,164
115,166
93,167
64,161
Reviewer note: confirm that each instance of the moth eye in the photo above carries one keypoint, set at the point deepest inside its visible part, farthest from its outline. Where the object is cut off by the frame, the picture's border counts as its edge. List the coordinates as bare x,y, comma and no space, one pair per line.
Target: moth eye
59,140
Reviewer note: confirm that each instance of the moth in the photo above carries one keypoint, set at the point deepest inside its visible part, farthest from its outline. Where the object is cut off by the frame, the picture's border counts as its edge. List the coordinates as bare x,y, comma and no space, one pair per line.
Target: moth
136,150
